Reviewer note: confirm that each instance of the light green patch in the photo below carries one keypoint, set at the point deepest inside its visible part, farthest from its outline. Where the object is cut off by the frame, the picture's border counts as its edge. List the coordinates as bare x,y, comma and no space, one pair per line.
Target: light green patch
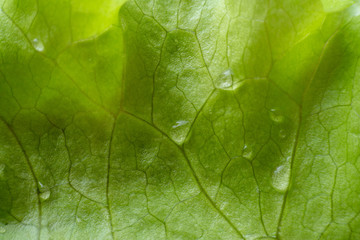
336,5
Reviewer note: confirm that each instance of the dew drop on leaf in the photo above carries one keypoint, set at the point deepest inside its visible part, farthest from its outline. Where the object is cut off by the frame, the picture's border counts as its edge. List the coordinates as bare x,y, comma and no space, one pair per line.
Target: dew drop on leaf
45,195
42,187
2,229
247,153
2,170
276,116
282,134
224,80
228,50
78,219
281,177
38,45
179,130
44,191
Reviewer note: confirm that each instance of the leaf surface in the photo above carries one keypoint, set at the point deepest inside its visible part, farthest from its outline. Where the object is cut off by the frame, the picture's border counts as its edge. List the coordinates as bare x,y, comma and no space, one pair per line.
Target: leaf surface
179,119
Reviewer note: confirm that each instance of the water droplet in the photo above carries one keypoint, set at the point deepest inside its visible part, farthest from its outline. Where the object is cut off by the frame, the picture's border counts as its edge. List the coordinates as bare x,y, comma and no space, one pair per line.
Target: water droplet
180,123
78,219
281,177
224,81
38,45
44,191
282,134
179,131
228,51
2,229
42,187
247,153
179,138
224,205
2,170
123,23
45,195
276,116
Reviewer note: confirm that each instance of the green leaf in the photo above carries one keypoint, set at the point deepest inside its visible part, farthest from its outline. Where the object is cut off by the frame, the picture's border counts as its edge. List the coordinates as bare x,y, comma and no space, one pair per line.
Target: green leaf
336,5
180,119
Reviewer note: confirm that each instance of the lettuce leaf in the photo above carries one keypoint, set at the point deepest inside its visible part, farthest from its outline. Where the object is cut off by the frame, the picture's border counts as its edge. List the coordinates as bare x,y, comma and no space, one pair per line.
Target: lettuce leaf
158,119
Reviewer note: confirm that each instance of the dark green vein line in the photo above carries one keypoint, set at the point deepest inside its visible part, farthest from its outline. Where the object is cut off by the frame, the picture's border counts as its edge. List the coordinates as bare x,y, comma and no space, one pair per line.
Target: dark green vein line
55,63
202,189
31,170
108,180
198,113
70,170
300,120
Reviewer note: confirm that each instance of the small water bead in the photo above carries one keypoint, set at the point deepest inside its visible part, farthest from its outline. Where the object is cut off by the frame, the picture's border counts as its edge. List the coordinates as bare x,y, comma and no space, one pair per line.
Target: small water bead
276,116
224,205
45,195
42,187
38,45
179,138
179,131
44,191
281,177
247,152
2,170
229,51
224,81
124,24
282,133
78,219
2,229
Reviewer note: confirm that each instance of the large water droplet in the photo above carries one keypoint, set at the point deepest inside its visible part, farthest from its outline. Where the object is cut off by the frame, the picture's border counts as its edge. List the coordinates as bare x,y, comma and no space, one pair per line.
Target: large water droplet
44,191
276,116
2,229
281,177
247,152
179,131
38,45
45,195
224,81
